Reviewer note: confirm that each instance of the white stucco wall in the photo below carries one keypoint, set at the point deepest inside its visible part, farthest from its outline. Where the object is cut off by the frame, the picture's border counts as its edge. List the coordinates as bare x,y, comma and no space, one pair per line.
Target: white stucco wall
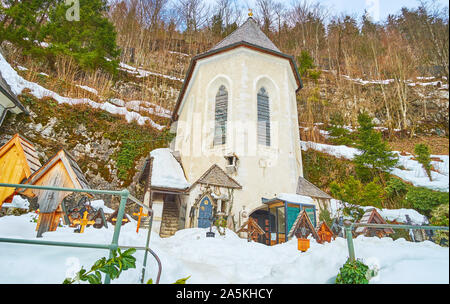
262,171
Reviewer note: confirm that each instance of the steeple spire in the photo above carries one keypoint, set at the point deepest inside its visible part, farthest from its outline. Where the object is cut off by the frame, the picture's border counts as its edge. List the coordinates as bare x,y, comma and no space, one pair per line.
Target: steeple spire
250,13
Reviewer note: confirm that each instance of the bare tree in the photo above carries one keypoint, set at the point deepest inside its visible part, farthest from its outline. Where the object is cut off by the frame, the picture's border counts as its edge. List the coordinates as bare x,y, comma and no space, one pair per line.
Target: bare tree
229,11
265,14
193,14
152,12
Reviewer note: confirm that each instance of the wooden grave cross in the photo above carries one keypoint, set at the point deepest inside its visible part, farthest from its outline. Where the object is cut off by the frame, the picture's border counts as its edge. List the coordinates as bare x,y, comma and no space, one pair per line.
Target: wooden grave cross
124,220
140,216
83,222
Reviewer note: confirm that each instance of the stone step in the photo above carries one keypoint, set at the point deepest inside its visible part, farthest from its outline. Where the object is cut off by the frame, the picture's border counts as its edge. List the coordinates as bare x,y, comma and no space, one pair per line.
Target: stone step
169,225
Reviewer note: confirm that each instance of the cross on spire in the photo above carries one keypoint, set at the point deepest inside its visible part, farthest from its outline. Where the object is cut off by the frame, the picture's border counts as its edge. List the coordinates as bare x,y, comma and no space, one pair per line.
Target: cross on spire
250,12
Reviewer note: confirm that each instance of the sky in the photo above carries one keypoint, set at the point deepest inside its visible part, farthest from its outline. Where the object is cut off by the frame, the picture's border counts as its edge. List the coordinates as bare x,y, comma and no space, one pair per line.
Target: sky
378,9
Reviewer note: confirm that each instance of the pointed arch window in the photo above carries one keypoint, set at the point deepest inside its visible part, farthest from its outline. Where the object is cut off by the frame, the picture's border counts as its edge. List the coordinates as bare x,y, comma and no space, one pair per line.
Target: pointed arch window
221,116
263,118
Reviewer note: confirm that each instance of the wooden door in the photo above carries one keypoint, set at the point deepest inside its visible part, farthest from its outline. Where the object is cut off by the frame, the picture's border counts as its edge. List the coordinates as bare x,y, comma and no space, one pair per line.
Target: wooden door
205,213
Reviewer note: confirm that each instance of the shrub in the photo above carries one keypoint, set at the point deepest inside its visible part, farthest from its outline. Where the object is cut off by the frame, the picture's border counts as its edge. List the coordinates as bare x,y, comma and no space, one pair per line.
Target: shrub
425,200
325,215
395,191
440,215
354,192
423,157
355,272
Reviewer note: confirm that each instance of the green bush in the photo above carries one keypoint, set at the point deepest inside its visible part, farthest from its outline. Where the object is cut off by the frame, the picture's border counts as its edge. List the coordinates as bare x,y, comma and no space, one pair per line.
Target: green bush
355,272
325,215
440,215
425,200
354,192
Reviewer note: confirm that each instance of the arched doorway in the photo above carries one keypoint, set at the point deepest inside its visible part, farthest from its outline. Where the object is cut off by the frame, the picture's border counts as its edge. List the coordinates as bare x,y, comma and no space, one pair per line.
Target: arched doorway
205,212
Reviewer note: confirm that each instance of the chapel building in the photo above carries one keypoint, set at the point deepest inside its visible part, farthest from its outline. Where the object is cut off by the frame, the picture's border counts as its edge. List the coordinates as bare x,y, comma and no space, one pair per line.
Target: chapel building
237,150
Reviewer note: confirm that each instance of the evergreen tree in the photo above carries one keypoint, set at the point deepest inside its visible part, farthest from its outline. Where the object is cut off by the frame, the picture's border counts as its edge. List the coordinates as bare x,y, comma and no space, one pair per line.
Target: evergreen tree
376,156
338,134
423,157
305,63
89,41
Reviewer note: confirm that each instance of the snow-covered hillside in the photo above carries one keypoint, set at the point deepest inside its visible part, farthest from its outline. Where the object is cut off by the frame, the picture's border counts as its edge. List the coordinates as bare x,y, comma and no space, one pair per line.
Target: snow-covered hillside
18,84
412,171
221,260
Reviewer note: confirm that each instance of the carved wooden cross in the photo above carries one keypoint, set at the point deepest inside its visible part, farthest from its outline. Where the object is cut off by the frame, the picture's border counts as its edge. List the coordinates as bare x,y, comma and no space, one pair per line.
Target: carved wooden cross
83,222
123,220
140,216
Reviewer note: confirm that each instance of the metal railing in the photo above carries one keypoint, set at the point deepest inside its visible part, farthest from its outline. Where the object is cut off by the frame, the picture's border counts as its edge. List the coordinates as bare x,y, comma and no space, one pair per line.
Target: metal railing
348,227
124,197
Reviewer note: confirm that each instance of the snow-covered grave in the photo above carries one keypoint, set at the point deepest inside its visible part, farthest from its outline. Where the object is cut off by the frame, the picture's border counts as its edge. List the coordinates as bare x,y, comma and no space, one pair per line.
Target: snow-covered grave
222,260
413,171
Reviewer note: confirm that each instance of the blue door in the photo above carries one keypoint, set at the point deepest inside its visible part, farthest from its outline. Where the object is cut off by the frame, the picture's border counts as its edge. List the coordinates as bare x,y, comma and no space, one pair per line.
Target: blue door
205,213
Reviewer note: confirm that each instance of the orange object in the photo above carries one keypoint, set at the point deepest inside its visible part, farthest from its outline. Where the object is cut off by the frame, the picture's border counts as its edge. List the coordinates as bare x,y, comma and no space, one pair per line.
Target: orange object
18,160
325,233
83,222
303,244
140,215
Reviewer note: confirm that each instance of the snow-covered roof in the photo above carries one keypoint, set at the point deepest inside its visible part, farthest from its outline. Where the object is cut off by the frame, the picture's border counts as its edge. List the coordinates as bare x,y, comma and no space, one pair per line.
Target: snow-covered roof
167,171
295,198
11,100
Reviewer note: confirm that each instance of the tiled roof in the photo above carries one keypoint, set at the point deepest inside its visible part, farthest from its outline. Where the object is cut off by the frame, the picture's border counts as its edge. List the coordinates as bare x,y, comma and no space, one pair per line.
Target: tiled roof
248,32
215,176
306,188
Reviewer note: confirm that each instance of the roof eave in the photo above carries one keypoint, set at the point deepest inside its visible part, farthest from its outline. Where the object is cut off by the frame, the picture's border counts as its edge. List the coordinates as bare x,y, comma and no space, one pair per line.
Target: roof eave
14,100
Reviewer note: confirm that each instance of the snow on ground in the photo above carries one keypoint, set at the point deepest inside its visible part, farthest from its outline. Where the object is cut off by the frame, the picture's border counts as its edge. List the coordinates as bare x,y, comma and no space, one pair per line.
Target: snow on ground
140,73
413,171
18,84
97,204
219,260
17,202
89,89
398,215
388,81
178,53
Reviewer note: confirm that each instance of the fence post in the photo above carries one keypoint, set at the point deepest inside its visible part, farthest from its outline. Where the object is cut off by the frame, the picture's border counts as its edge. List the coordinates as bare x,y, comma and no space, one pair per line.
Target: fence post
349,237
120,214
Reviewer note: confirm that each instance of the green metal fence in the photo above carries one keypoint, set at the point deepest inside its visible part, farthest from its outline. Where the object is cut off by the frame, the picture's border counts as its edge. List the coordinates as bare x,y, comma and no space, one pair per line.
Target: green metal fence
124,197
348,227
